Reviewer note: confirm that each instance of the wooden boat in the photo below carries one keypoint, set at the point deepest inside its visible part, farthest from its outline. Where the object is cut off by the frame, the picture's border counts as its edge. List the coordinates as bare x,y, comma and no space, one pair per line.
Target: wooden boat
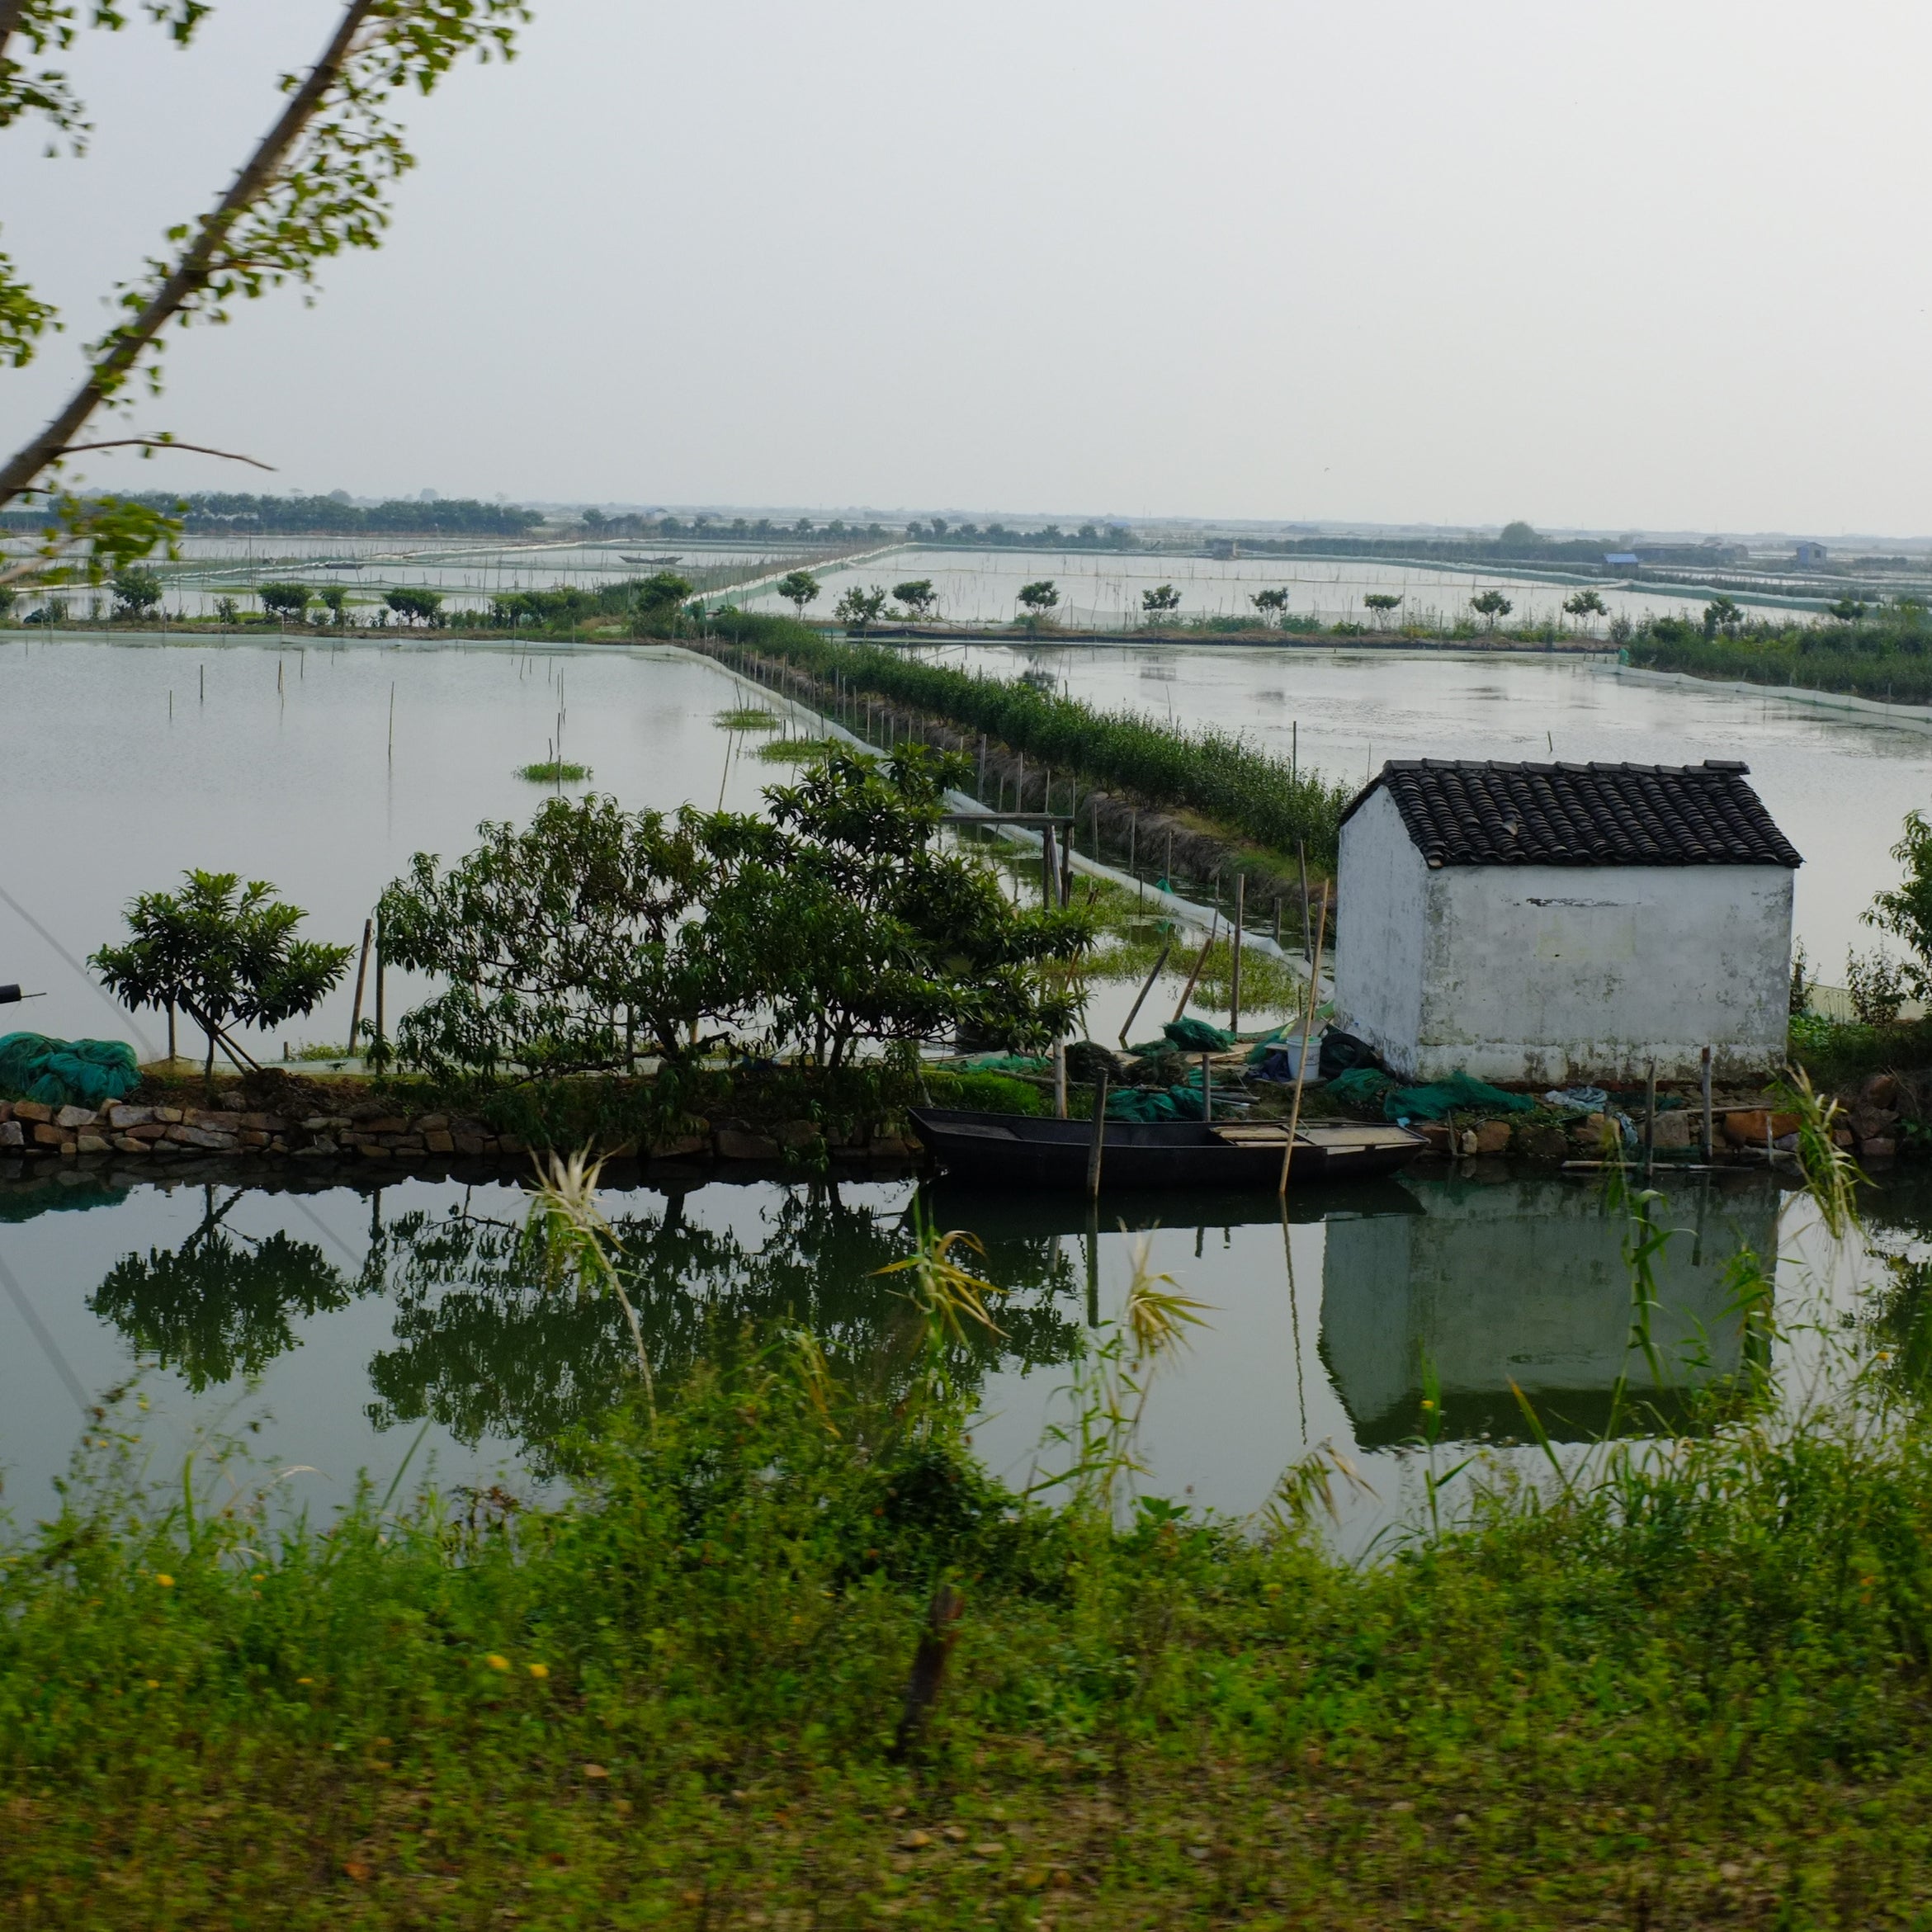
1026,1151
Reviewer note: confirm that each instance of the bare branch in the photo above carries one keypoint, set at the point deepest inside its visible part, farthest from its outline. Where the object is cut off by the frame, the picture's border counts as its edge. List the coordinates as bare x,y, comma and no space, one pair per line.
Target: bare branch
160,442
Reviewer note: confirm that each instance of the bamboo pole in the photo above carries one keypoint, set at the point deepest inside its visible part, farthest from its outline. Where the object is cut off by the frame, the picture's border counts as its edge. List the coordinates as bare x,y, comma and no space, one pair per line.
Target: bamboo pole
1302,858
1706,1095
1187,991
1301,1059
1135,1012
1059,1079
1649,1119
1206,1090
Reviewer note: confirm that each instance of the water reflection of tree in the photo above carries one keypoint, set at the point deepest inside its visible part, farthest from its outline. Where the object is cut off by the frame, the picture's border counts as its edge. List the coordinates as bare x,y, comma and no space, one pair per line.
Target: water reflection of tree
224,1303
484,1348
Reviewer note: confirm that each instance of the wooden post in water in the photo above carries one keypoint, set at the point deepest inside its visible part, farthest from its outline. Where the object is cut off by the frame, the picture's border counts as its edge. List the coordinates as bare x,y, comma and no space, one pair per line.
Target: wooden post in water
1649,1119
1301,859
1059,1079
1234,986
1706,1084
361,975
171,1032
1207,1091
1094,1146
1187,991
980,791
1278,918
1301,1060
1049,869
381,1002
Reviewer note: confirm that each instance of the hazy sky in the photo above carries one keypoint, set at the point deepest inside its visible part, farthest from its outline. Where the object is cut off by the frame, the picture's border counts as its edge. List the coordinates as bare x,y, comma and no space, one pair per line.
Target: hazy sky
1647,264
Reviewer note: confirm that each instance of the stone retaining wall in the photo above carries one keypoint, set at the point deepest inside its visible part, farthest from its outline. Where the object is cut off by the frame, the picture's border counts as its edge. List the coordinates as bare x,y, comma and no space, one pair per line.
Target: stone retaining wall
367,1131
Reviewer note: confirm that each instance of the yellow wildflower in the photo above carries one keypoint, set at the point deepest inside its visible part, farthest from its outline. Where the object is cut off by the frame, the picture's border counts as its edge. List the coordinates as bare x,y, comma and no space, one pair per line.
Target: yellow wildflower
164,1579
496,1663
540,1669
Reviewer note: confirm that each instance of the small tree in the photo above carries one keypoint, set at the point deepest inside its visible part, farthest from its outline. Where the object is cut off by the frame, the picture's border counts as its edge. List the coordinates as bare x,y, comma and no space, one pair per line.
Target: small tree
1383,603
1158,605
917,596
1040,599
1849,609
1586,603
851,923
1905,912
136,591
563,945
288,601
859,610
416,606
1491,604
1273,605
227,611
798,589
659,597
1722,613
333,599
224,953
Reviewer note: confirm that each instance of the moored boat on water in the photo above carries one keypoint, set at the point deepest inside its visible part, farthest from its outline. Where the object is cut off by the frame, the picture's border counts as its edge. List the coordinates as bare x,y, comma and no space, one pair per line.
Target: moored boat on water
1028,1152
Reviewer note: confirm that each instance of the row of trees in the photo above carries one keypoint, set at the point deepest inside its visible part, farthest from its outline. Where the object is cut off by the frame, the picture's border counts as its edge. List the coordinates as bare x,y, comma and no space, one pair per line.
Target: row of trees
595,934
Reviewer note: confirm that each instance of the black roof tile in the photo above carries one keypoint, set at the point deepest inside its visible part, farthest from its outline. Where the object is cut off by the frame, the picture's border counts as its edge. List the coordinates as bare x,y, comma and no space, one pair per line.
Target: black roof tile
1463,812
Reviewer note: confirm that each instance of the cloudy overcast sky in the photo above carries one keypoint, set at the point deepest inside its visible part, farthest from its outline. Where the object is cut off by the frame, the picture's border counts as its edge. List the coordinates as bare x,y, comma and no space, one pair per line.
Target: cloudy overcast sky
1643,264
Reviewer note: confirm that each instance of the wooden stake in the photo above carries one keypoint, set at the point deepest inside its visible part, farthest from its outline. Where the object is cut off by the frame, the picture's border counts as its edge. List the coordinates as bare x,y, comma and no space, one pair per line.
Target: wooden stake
1093,1148
1234,987
1059,1079
1301,858
1301,1060
1207,1091
1707,1093
362,973
1649,1119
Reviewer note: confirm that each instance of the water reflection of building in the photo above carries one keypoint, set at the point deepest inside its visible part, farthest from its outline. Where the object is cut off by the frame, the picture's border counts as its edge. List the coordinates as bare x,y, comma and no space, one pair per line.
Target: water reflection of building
1525,1282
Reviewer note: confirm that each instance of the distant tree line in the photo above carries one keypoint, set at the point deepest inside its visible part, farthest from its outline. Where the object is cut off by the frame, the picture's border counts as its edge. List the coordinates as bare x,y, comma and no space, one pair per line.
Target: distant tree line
241,514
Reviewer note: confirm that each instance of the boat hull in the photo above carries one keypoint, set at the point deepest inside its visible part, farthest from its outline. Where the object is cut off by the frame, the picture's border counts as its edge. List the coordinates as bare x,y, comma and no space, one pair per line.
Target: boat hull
1019,1150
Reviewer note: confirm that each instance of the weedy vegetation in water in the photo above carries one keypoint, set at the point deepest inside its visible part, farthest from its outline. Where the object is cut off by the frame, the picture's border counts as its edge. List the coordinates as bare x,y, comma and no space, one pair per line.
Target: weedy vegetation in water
553,772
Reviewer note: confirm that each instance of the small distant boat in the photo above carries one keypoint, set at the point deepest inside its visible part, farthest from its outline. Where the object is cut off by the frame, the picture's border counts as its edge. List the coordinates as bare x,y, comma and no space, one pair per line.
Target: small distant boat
1023,1150
663,563
340,564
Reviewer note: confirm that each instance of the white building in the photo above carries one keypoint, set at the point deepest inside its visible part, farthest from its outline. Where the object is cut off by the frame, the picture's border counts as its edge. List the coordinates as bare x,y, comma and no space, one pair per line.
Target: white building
1551,924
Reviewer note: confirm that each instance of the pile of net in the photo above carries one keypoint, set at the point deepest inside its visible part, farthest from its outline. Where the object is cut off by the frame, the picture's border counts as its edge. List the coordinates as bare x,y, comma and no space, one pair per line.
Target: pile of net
1369,1087
66,1073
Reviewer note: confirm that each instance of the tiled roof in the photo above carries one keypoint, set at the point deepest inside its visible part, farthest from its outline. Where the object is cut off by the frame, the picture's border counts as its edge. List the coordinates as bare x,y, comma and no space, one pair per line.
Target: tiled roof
1469,813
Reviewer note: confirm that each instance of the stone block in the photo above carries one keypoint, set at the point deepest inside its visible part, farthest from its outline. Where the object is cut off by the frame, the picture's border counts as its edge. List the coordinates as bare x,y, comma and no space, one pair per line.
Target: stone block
122,1118
895,1147
45,1135
32,1111
6,1110
1679,1128
1436,1134
252,1137
510,1144
1877,1150
170,1117
128,1145
386,1123
154,1130
409,1144
471,1144
75,1117
1880,1090
1746,1128
432,1123
797,1135
436,1139
325,1123
679,1146
1492,1136
91,1143
738,1144
1547,1142
12,1134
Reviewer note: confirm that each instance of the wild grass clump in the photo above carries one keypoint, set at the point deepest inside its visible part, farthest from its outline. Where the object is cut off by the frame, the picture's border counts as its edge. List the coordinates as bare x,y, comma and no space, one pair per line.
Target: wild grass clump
749,717
798,751
553,772
1243,789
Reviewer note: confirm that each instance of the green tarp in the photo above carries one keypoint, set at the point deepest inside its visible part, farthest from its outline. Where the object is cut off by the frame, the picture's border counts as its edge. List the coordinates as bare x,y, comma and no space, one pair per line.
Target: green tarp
66,1073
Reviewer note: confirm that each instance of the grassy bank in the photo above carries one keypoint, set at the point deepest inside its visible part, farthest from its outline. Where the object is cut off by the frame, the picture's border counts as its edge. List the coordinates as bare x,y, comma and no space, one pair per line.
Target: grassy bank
1243,790
1887,656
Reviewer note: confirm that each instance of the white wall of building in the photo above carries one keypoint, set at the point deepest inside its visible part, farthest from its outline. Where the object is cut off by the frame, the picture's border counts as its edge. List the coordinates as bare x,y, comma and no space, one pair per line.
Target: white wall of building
1556,974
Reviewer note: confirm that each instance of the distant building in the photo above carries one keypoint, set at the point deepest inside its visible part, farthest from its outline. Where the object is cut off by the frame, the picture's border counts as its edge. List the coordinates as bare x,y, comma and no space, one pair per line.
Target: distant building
1557,923
1622,561
1809,556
